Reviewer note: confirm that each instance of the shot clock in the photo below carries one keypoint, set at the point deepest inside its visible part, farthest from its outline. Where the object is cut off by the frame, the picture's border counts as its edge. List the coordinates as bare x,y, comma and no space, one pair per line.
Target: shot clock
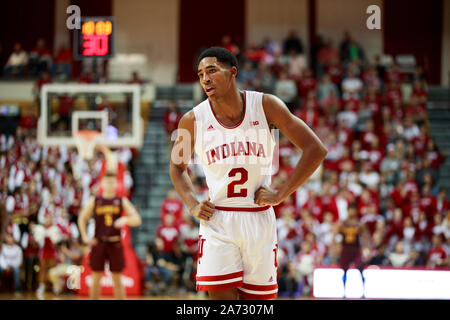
95,38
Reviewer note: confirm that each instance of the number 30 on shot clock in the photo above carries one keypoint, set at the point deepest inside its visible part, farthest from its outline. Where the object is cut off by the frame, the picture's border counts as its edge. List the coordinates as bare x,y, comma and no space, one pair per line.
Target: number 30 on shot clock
95,38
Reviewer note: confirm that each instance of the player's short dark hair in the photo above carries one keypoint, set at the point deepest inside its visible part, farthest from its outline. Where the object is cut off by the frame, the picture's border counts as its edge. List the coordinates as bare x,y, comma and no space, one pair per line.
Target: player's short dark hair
221,54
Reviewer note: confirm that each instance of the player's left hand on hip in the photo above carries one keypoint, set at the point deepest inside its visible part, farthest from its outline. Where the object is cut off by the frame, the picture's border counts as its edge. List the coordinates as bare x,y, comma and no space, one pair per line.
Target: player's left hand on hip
266,196
119,223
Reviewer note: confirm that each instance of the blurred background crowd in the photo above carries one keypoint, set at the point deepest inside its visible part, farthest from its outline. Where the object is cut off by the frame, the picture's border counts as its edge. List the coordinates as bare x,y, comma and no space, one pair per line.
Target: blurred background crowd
382,168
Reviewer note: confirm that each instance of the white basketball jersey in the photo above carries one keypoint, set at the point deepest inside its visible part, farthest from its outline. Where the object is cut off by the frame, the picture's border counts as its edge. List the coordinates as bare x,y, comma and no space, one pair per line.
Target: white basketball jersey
236,160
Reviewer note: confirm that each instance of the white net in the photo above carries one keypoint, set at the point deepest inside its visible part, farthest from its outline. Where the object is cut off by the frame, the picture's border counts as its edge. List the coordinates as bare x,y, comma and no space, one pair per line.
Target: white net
86,141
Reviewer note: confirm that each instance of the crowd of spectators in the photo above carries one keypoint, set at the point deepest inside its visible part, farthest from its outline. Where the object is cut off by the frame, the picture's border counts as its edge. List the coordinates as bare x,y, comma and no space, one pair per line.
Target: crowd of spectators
32,64
381,162
42,190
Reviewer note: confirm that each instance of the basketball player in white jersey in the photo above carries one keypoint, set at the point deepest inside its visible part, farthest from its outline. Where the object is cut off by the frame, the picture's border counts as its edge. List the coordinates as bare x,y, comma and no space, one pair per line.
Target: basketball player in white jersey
237,233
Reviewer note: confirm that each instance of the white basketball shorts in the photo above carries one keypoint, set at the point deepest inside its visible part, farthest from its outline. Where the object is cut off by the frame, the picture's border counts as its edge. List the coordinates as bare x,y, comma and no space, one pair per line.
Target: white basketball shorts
237,249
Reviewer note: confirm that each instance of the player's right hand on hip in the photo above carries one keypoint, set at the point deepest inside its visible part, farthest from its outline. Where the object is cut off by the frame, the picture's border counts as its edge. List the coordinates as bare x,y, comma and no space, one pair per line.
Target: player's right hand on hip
204,210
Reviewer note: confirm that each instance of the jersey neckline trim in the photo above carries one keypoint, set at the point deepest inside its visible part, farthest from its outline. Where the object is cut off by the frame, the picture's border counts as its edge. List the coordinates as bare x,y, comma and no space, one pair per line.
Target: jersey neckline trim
240,122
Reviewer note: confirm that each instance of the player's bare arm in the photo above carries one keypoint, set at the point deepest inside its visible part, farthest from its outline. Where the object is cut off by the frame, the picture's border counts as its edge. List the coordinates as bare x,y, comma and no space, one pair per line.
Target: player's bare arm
313,150
83,218
182,151
111,162
131,218
181,154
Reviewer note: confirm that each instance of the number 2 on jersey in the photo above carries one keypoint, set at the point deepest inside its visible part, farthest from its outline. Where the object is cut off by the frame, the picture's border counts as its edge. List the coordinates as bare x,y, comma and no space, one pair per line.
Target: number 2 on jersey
244,177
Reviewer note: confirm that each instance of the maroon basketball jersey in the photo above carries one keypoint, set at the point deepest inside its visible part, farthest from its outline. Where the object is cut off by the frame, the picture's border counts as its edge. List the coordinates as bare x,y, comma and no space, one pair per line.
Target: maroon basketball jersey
351,233
106,212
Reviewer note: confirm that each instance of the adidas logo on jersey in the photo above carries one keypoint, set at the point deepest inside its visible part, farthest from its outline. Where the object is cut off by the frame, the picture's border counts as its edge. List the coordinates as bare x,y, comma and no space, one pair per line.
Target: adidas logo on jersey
210,127
254,123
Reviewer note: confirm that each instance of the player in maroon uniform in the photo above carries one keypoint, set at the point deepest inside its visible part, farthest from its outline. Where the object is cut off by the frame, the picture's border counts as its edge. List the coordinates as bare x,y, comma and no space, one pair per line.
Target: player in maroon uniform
106,244
352,231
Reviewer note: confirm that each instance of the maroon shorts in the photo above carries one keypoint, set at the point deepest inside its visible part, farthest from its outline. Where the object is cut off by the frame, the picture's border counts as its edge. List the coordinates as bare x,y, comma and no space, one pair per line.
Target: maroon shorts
111,252
350,255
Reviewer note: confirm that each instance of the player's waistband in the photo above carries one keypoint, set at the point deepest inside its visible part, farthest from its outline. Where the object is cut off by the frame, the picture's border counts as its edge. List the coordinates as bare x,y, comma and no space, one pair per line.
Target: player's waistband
247,209
111,239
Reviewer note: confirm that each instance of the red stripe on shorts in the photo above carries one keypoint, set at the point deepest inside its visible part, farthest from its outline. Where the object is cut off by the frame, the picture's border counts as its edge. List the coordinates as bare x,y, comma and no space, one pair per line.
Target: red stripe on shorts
221,277
252,296
222,286
251,209
260,288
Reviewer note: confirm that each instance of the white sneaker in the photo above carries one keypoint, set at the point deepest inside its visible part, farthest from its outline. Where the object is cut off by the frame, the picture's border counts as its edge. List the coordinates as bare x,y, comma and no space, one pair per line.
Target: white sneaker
40,291
56,292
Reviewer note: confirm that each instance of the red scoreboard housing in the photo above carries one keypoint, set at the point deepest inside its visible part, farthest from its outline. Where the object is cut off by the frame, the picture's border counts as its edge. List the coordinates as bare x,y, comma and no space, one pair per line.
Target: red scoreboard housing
95,38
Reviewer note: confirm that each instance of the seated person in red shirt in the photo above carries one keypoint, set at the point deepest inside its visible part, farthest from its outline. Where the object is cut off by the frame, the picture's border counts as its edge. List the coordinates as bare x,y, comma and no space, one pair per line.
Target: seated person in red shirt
168,232
28,118
416,110
171,118
307,83
437,257
172,205
62,64
419,92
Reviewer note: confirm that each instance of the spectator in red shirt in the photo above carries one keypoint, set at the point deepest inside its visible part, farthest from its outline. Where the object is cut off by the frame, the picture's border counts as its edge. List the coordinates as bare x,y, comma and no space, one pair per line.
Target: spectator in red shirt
335,70
346,164
437,257
255,53
62,64
168,232
393,75
307,83
427,201
368,135
309,113
345,135
371,218
314,206
326,53
412,207
331,106
370,78
171,118
395,226
172,205
423,230
287,203
28,119
433,155
329,201
229,45
363,203
392,93
442,204
417,111
419,92
420,142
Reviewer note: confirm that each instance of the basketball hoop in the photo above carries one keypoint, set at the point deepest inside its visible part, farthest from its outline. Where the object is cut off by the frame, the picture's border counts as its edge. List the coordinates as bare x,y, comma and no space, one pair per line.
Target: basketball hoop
86,141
